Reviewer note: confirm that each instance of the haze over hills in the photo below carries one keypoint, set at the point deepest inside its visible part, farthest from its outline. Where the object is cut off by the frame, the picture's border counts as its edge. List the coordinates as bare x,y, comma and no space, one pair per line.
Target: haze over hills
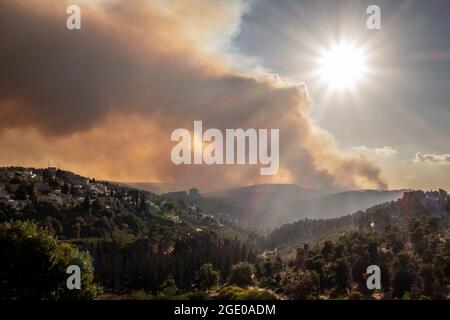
263,194
240,204
139,245
412,204
268,206
340,204
164,187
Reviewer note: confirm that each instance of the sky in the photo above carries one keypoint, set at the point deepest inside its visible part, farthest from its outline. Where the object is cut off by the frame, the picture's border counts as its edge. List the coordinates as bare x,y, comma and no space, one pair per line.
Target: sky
405,105
102,101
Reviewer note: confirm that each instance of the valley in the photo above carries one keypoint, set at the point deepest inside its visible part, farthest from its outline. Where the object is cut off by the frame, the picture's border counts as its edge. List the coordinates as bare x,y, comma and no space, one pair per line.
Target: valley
135,244
263,208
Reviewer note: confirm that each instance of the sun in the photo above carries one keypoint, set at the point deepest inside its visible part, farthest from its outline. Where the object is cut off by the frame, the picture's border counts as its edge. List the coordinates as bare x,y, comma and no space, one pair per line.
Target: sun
342,66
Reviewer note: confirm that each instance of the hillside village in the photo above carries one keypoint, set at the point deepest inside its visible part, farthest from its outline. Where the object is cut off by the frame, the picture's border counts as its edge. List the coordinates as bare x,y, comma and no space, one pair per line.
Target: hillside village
20,187
143,245
73,206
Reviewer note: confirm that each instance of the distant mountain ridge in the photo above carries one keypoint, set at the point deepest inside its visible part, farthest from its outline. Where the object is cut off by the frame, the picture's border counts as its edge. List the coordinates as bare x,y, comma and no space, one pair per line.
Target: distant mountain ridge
342,203
268,206
241,194
412,204
163,187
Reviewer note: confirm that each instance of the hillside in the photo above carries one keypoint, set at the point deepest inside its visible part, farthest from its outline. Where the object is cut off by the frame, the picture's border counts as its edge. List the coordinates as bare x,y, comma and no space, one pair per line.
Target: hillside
256,195
164,187
413,204
128,232
340,204
263,208
413,259
133,244
408,240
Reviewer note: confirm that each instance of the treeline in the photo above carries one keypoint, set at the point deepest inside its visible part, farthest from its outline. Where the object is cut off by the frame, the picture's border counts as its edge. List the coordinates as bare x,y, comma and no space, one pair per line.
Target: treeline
412,204
414,261
135,244
145,264
136,239
33,265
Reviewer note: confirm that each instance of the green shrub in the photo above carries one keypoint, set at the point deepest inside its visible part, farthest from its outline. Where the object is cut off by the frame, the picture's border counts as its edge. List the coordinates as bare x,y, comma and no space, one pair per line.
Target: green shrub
238,293
33,265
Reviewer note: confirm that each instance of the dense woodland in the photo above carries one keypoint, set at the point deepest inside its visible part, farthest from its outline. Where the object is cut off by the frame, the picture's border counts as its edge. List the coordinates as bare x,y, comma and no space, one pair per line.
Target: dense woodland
137,239
413,204
132,244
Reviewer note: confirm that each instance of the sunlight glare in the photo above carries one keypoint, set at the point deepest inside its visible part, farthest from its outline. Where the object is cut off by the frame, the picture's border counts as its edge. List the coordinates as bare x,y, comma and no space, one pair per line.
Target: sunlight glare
342,66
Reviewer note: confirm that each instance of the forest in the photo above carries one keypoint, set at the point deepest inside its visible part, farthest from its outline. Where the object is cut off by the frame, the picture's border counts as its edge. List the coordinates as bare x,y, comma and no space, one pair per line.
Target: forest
133,244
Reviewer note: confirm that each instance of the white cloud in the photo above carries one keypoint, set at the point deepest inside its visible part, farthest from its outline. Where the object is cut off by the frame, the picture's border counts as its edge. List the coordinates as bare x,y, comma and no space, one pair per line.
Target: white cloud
383,151
432,158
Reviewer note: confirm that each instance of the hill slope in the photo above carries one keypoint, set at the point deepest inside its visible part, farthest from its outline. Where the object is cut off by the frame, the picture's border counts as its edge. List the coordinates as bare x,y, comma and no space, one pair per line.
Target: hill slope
136,238
340,204
413,204
266,207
